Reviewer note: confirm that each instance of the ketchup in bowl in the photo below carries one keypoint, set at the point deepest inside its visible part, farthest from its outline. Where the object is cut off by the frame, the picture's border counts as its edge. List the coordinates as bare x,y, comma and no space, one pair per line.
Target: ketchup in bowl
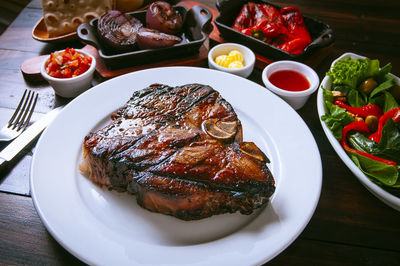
293,81
289,80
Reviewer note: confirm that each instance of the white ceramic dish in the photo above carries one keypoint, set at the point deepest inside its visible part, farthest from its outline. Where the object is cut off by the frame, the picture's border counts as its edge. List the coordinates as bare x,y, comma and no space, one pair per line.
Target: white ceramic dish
70,87
376,190
296,99
224,49
102,227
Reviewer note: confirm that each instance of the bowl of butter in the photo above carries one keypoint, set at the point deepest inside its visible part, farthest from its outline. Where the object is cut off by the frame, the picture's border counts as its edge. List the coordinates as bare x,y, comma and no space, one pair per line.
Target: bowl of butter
232,58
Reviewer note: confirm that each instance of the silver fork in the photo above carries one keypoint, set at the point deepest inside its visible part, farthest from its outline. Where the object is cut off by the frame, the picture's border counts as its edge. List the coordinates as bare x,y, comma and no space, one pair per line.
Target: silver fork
20,119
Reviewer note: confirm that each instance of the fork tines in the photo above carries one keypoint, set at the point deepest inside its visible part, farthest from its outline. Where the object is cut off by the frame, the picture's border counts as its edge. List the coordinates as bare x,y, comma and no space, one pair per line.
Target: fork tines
23,113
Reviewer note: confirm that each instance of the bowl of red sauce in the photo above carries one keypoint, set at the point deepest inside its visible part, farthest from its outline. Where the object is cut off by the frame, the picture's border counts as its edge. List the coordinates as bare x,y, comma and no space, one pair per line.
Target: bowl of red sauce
294,82
69,72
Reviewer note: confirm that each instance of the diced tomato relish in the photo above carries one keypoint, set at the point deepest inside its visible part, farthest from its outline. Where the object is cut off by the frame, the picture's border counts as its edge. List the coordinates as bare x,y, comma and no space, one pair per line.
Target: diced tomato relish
67,64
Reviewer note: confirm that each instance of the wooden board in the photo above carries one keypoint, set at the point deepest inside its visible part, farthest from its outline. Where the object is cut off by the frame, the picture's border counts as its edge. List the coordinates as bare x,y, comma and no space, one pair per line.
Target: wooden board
31,68
201,58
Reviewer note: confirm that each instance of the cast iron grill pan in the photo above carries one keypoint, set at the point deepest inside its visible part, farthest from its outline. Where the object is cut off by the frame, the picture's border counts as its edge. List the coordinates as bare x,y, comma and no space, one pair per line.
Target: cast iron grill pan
197,24
321,33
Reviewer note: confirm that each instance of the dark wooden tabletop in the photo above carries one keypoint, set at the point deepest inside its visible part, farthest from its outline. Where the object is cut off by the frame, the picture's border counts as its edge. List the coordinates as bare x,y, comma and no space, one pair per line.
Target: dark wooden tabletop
349,227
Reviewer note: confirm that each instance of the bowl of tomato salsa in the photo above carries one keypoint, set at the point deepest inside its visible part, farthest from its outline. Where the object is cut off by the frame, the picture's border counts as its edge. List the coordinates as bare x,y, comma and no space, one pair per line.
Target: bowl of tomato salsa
69,72
294,82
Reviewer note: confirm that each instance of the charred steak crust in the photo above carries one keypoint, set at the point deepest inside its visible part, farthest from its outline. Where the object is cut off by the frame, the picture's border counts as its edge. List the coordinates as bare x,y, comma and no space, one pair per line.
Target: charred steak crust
180,151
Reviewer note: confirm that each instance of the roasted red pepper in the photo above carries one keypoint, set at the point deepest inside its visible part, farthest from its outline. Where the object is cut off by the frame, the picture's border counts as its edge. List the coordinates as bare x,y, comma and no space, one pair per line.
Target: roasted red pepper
297,37
267,22
362,127
364,111
284,29
245,19
394,114
270,29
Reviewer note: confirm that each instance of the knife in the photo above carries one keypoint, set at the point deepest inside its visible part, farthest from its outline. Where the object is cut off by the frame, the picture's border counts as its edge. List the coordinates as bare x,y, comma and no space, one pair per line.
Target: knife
27,136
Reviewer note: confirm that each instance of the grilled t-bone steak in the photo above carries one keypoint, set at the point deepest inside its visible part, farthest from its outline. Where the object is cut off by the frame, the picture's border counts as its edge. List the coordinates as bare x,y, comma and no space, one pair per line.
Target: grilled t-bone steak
180,151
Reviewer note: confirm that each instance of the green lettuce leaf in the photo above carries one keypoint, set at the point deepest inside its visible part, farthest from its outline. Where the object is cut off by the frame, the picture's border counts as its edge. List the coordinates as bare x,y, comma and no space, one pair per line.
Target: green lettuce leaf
350,72
372,69
377,171
388,147
388,83
342,88
356,99
383,72
390,102
328,96
336,118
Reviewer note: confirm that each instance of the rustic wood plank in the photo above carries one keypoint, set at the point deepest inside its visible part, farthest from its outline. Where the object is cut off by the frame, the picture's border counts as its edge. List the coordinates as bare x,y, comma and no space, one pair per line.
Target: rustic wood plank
348,213
23,238
13,86
350,225
14,175
19,35
310,252
12,59
35,4
9,9
19,216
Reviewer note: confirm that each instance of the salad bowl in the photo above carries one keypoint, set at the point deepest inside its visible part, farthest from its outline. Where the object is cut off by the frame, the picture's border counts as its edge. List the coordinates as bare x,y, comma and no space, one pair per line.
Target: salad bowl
382,194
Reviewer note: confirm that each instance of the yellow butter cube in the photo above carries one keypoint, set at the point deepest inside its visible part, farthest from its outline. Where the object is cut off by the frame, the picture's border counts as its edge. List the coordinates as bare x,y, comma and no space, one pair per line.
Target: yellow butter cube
235,64
236,55
222,60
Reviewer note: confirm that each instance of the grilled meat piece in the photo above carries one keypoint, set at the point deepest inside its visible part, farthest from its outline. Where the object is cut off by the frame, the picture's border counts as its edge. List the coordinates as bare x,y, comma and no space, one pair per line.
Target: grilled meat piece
180,151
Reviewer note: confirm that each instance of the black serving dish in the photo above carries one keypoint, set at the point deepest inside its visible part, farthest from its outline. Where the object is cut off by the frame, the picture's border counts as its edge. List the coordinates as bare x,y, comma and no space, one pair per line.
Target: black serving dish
197,24
321,33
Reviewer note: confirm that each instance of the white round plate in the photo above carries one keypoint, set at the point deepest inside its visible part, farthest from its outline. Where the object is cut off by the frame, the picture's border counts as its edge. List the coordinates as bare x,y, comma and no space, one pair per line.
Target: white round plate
108,228
376,190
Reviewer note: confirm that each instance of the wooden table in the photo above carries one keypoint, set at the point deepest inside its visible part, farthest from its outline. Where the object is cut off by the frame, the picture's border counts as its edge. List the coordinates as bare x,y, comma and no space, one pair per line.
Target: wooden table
350,225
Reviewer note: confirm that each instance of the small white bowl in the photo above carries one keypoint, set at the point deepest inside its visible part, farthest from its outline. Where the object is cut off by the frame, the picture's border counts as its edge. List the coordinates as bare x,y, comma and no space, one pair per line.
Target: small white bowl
70,87
248,57
296,99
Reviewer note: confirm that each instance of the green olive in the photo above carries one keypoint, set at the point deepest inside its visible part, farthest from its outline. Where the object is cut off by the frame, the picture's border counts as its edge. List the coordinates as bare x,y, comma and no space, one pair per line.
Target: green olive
372,122
395,91
368,85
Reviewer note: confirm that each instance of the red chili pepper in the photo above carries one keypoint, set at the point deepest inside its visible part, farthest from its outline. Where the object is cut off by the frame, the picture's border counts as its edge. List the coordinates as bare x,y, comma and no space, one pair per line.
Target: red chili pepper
362,127
364,111
394,114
